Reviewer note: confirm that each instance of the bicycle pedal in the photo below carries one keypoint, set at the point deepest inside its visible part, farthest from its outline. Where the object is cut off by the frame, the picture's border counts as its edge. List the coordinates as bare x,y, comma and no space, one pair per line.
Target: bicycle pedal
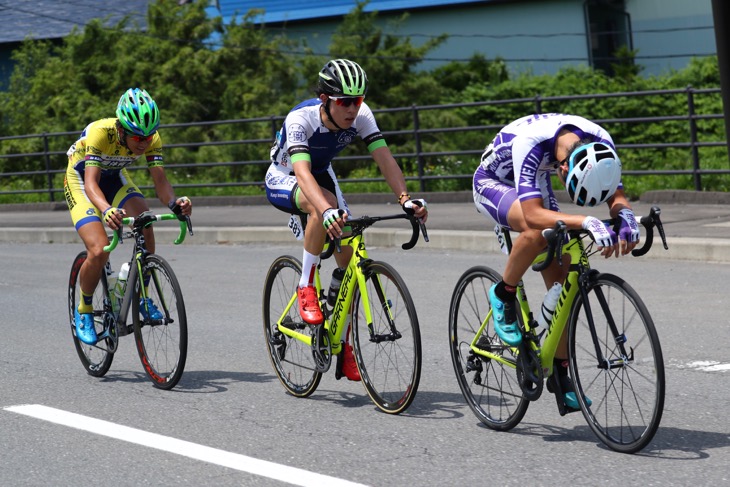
553,386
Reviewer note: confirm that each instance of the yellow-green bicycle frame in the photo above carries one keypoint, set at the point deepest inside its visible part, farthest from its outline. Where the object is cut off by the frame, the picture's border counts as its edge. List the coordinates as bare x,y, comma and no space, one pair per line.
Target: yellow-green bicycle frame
336,323
575,249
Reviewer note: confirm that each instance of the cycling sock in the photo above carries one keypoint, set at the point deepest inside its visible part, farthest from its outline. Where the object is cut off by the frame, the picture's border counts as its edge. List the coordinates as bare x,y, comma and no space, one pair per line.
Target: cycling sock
309,263
506,294
86,303
560,367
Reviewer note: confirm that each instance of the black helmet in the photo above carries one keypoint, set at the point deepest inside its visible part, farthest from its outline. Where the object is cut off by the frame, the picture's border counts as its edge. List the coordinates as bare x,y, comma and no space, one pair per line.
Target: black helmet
341,77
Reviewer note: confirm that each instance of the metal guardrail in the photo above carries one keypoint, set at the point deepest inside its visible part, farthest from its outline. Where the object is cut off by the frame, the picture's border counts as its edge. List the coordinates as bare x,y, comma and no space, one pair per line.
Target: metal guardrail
54,161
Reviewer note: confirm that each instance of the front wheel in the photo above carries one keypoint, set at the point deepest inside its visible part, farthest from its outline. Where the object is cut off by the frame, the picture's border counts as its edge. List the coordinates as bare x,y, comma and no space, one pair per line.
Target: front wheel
160,324
487,376
620,367
96,359
292,359
387,349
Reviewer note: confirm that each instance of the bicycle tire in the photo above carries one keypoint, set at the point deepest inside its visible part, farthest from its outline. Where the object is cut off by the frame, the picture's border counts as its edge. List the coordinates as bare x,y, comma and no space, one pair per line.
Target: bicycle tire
627,400
292,359
162,344
390,369
95,359
490,387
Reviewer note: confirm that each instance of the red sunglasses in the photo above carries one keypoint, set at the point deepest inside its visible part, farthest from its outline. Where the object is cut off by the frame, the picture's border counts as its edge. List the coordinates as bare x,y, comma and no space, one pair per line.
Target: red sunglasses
346,101
139,138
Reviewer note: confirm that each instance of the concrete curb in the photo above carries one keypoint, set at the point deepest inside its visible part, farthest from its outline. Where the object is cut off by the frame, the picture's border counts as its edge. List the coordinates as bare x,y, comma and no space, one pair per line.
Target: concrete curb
680,248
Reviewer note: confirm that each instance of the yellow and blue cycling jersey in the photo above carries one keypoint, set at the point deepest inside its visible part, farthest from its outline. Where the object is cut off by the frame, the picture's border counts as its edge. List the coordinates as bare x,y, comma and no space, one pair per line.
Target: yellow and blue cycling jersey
99,146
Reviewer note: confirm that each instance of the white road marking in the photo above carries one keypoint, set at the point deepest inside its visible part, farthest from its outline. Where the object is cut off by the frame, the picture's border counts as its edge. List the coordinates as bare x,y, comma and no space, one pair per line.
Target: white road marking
215,456
708,366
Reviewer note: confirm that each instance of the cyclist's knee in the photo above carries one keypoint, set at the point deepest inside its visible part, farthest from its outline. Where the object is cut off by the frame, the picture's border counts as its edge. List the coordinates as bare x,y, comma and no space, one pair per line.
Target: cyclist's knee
149,237
533,238
135,206
95,252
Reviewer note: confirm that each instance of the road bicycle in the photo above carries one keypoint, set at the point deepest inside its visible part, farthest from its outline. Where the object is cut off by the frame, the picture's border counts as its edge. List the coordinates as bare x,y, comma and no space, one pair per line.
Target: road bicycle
615,359
373,307
161,343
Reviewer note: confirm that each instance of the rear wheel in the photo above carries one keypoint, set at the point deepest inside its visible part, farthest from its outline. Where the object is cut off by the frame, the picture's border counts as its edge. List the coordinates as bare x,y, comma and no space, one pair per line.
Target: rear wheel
388,350
490,386
97,358
621,368
162,337
292,359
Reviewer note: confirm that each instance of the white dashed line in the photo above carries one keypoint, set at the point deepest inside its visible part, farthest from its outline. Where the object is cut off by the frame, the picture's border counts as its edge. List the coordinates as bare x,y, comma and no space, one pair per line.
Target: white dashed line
707,366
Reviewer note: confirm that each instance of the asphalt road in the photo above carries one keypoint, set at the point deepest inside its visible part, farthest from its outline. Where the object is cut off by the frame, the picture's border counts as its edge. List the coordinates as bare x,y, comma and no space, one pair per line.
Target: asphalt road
229,410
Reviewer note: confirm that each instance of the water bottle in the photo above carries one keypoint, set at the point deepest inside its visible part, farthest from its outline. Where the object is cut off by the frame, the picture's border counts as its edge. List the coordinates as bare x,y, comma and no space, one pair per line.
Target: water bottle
335,283
548,305
121,281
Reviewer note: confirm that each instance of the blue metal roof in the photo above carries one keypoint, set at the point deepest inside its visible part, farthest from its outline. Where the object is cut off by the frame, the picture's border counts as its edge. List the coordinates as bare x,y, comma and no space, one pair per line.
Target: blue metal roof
54,19
286,10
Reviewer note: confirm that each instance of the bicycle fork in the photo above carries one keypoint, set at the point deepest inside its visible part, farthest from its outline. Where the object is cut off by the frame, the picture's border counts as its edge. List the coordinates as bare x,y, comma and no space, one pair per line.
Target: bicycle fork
587,283
385,303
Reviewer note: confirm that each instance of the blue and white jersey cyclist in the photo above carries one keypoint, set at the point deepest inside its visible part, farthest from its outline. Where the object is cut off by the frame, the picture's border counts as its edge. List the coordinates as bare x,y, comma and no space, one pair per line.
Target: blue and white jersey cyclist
301,181
512,186
99,191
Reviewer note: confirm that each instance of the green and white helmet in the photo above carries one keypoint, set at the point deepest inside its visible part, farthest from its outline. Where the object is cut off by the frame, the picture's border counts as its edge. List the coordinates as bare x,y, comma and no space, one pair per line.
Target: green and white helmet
342,77
138,112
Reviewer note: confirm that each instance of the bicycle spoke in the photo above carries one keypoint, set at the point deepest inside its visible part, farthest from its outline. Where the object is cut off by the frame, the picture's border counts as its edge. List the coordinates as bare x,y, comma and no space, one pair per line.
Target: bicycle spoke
625,381
388,349
489,386
96,359
292,359
161,342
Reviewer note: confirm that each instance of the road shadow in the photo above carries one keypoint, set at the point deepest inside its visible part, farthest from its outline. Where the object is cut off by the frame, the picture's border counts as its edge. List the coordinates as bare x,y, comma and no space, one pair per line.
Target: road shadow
214,381
669,443
196,381
426,404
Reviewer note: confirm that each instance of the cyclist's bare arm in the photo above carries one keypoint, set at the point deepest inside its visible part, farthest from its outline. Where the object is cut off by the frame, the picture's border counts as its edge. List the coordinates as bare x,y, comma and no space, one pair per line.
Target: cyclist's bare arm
92,176
394,177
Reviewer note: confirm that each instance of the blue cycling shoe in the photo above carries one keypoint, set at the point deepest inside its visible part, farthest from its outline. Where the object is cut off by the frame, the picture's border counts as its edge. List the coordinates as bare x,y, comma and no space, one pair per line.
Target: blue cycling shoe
570,400
85,330
566,384
148,310
509,333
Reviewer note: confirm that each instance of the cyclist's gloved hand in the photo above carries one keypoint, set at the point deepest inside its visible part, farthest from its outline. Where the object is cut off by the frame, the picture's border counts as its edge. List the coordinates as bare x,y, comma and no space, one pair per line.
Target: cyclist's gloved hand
109,217
330,216
181,206
629,229
416,207
604,236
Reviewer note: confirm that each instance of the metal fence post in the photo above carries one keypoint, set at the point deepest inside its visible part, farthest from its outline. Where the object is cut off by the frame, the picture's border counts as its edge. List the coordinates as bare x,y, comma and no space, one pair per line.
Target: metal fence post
693,139
49,177
538,104
419,157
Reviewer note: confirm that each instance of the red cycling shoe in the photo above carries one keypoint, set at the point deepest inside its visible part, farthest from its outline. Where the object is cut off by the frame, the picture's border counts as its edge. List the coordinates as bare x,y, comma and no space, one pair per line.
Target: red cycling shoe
349,366
309,305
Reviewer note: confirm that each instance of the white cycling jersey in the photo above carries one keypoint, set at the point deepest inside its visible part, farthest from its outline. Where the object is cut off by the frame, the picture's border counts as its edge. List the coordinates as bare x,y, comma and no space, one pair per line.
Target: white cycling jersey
304,132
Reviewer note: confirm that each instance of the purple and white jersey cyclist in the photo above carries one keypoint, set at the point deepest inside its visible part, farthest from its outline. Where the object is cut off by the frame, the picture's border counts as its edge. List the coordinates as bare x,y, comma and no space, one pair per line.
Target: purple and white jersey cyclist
517,164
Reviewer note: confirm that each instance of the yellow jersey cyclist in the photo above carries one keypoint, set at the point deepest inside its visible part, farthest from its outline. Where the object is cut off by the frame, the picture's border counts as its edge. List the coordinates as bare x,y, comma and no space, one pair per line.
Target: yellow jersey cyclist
99,191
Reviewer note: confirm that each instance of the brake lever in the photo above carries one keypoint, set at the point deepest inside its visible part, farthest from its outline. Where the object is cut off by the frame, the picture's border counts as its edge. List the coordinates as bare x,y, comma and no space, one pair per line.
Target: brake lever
422,226
190,224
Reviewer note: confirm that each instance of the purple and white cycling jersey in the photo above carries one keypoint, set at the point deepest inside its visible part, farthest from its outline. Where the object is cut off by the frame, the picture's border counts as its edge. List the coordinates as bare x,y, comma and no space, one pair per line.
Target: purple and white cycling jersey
517,164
